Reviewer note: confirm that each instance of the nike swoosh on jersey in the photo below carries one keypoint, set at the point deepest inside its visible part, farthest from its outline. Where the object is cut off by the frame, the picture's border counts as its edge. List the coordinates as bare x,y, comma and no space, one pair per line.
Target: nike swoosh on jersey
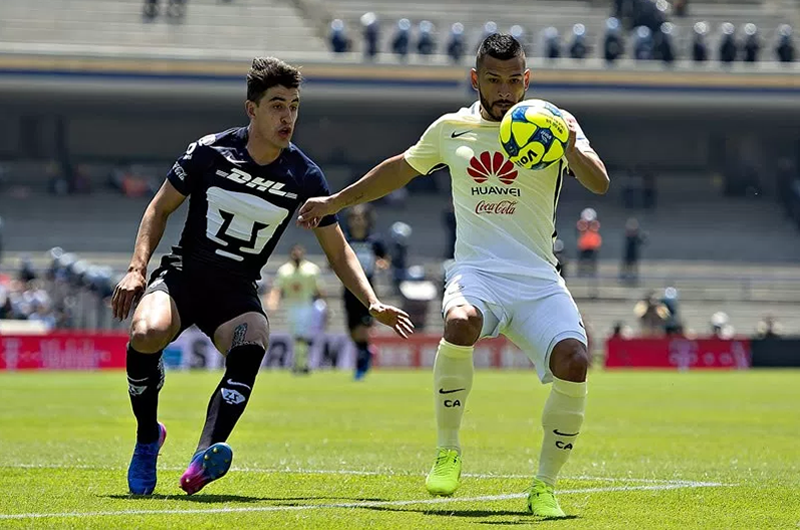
234,161
443,391
456,135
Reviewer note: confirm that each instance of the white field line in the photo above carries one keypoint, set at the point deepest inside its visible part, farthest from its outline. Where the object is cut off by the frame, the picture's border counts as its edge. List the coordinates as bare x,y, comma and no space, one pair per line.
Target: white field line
366,504
385,473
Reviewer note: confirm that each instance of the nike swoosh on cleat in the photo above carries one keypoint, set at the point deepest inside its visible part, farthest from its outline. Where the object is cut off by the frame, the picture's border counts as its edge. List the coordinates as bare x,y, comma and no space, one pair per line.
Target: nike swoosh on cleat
234,383
456,135
443,391
555,431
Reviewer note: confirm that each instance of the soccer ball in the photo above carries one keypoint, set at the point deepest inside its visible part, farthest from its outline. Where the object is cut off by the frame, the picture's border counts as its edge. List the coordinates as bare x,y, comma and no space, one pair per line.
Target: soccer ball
534,134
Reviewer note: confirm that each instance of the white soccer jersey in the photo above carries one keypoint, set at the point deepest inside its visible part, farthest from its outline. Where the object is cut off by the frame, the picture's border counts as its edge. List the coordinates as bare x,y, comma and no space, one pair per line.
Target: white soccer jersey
505,215
300,284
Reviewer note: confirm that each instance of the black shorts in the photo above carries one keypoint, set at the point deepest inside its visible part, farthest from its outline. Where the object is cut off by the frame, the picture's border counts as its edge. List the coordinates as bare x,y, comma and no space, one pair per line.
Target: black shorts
357,314
203,299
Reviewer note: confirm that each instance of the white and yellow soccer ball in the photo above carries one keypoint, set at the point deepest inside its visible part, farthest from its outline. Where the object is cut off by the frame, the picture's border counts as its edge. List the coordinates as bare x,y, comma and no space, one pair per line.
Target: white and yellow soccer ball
534,134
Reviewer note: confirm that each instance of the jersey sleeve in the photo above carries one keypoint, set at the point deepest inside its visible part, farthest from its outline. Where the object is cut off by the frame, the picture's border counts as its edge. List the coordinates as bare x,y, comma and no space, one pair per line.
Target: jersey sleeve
581,141
317,186
425,156
185,171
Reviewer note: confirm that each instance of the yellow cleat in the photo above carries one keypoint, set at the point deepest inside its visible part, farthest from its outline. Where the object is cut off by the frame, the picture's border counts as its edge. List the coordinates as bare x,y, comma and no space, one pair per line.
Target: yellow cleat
445,474
542,501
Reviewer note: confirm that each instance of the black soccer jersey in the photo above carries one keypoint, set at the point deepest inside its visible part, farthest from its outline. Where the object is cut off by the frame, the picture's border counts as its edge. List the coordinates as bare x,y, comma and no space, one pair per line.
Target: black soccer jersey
238,209
368,250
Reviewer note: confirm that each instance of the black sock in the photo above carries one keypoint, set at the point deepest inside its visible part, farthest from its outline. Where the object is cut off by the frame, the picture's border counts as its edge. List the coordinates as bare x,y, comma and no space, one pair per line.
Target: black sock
230,398
145,379
363,356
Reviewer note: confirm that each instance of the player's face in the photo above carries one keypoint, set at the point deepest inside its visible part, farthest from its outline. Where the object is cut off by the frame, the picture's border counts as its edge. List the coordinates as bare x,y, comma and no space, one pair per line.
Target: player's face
358,224
297,254
275,114
500,85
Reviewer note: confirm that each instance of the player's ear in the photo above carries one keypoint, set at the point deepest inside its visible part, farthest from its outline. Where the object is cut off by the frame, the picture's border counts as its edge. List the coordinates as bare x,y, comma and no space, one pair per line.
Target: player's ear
250,108
473,75
527,78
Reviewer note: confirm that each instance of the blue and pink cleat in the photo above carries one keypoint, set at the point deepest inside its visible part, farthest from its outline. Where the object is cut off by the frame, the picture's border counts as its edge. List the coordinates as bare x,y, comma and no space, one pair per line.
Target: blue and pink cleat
207,466
142,471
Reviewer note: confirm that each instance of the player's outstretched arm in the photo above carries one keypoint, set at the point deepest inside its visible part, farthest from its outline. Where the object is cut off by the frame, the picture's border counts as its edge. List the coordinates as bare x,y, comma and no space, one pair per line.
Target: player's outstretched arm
346,266
151,230
391,174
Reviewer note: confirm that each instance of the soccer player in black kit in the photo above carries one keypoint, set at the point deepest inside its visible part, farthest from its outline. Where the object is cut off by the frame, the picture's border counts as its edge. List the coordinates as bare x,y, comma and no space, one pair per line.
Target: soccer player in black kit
371,254
245,185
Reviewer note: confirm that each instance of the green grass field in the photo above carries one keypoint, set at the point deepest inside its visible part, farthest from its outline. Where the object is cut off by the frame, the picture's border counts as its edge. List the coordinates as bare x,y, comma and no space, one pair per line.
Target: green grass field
658,450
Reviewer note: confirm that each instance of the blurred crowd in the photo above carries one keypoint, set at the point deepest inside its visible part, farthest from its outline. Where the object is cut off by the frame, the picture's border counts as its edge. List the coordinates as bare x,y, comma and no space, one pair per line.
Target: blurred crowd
660,316
70,294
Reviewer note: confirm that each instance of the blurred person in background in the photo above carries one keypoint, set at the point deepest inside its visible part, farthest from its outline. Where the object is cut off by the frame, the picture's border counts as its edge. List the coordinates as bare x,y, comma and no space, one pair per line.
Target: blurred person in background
589,242
768,328
176,9
298,284
504,277
721,327
672,324
652,314
244,186
634,239
371,253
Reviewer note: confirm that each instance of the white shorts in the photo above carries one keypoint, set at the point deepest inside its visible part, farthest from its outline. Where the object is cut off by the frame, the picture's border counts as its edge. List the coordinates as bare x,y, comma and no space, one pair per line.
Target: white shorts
301,320
535,314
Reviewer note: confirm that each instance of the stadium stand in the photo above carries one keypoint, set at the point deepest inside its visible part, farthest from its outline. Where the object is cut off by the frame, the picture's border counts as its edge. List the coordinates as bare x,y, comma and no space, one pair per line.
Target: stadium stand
209,28
534,17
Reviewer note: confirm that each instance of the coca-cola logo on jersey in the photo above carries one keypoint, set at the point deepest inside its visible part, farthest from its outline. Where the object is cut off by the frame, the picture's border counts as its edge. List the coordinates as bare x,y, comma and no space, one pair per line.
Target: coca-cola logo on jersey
496,208
488,164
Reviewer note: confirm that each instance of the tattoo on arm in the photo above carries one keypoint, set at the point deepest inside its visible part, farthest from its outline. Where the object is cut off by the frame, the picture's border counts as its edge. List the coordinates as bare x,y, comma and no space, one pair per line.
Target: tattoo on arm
355,199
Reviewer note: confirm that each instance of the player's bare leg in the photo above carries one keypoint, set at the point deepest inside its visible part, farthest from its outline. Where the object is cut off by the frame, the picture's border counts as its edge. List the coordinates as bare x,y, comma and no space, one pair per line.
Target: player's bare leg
155,323
561,420
452,379
245,340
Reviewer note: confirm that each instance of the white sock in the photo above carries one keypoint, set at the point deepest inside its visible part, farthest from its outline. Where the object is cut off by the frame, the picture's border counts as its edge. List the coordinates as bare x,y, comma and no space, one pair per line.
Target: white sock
561,419
452,381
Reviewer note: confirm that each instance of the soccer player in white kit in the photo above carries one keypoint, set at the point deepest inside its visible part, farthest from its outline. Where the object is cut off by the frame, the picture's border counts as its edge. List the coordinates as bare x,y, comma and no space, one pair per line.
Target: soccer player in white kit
297,284
504,278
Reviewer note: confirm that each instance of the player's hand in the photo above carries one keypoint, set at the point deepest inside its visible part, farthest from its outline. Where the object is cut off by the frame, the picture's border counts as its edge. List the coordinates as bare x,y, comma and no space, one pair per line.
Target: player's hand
126,293
312,212
395,318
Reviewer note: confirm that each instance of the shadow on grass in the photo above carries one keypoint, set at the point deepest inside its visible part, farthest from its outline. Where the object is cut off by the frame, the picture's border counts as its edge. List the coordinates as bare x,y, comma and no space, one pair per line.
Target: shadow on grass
212,499
529,519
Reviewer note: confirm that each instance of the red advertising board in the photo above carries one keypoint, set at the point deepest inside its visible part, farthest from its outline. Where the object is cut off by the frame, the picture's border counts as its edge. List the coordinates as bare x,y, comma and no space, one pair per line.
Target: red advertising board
678,353
63,351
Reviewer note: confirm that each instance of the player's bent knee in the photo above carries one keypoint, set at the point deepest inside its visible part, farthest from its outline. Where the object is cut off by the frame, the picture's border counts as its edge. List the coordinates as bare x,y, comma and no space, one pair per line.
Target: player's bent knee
463,325
148,338
570,361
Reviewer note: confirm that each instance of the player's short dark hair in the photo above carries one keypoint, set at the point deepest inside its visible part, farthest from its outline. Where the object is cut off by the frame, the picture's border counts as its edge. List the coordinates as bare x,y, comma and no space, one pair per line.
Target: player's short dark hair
500,46
267,72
